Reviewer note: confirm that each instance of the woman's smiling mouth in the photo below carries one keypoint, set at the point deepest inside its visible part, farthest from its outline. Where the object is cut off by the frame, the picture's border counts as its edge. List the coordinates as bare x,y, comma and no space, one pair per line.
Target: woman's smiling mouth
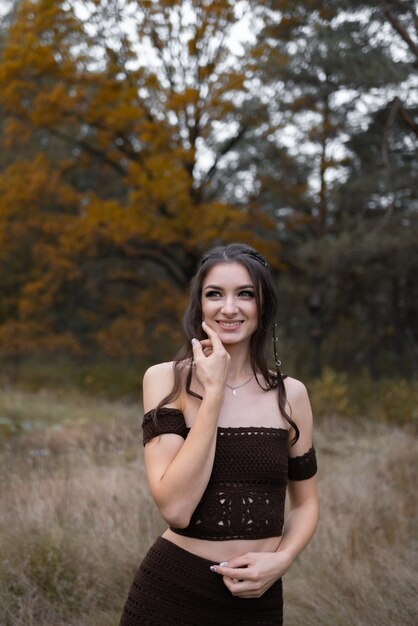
226,325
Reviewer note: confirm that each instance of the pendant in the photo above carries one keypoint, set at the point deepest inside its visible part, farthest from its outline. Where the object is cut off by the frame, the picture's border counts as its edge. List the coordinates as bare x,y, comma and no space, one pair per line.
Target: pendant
234,392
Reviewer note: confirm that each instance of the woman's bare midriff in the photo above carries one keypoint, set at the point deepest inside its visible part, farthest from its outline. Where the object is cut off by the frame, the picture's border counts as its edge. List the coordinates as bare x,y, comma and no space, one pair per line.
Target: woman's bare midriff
218,551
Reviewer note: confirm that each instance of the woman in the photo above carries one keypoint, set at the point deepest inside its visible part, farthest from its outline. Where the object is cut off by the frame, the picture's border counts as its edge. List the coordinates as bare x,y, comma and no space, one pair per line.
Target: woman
224,436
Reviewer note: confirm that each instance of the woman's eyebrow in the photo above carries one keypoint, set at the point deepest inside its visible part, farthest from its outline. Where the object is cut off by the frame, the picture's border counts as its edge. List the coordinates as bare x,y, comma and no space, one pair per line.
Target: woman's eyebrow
220,288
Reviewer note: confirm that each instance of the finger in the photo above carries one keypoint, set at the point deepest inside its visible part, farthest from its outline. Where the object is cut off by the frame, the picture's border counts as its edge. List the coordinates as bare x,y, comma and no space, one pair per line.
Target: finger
212,335
206,345
240,573
197,348
240,561
240,587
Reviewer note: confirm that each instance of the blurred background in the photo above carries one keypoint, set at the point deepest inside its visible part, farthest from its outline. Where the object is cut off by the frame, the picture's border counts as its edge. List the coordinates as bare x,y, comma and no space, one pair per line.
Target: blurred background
136,134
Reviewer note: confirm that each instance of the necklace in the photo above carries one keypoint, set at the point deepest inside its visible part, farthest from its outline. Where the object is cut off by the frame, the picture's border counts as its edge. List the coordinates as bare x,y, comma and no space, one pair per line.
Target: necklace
234,389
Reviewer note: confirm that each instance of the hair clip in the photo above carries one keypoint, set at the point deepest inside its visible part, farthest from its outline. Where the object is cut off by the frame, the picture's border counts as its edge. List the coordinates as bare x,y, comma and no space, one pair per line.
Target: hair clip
275,340
256,256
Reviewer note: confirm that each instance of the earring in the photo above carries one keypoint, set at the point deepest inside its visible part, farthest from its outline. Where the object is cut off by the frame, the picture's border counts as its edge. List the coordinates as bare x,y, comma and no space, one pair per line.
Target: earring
275,340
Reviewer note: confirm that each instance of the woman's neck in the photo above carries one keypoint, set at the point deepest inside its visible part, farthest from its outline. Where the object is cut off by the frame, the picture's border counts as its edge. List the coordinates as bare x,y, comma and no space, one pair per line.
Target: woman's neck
240,365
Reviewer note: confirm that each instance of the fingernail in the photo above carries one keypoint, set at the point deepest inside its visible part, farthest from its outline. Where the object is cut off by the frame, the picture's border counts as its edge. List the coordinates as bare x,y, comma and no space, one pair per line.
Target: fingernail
212,568
203,322
223,564
194,340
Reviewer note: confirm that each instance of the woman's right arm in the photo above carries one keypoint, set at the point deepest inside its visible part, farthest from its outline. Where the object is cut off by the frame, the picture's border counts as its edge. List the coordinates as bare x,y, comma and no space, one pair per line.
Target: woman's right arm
178,470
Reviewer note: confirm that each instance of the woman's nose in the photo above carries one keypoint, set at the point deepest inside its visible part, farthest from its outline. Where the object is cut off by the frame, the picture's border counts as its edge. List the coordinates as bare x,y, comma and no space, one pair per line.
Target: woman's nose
229,306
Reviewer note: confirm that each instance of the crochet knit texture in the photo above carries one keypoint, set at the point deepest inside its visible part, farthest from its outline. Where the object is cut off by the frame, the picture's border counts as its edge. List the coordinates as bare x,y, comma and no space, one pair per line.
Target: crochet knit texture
245,495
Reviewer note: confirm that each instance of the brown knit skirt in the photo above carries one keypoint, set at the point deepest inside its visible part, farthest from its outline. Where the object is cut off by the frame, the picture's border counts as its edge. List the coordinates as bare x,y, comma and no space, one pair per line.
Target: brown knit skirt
175,587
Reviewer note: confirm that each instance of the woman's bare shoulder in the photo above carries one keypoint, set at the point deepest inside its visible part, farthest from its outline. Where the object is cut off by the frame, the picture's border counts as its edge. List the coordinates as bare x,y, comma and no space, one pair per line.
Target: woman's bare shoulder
295,389
298,399
160,369
158,383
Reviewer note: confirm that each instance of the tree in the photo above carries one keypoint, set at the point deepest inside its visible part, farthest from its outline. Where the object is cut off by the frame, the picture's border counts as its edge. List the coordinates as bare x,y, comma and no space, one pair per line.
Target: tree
338,71
141,146
122,118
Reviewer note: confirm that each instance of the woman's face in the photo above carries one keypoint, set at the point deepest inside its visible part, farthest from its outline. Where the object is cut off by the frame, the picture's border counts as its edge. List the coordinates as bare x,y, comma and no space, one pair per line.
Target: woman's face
229,306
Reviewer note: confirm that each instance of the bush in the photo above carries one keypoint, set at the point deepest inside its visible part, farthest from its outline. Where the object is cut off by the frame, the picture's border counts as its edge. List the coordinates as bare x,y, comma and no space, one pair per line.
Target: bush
102,377
330,394
390,400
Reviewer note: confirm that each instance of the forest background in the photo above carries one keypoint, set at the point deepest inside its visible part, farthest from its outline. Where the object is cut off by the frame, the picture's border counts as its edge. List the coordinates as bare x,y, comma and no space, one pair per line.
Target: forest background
134,135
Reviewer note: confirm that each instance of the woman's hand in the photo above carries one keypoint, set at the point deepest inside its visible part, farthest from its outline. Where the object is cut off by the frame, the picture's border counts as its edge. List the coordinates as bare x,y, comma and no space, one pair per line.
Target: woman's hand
250,575
211,360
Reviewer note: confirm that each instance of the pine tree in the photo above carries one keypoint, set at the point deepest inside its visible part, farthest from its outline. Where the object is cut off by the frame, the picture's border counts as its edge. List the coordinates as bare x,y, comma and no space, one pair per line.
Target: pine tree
336,70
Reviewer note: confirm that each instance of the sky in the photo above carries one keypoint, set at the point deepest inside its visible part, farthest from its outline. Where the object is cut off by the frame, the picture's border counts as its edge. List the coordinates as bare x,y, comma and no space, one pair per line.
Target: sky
241,33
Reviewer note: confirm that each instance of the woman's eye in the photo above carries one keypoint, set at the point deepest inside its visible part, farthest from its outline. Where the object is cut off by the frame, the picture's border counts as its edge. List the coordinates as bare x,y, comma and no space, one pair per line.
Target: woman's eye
247,293
212,294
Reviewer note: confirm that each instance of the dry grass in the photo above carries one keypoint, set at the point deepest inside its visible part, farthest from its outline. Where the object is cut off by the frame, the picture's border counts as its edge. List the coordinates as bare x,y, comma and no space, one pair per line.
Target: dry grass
76,518
75,515
360,569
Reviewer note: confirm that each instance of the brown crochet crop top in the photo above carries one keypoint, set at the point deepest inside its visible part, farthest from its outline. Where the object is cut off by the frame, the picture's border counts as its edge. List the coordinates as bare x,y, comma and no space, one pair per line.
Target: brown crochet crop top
245,495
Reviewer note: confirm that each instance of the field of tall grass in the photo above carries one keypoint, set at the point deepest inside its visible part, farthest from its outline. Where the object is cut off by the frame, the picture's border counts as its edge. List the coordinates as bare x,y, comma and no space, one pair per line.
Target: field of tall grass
76,517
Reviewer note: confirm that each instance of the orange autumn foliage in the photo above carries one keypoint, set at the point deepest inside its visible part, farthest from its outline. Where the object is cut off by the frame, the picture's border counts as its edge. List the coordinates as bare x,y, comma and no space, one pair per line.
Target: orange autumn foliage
112,207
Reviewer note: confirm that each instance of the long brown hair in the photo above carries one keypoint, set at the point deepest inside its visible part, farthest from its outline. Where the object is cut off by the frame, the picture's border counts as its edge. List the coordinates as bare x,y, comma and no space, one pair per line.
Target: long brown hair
262,340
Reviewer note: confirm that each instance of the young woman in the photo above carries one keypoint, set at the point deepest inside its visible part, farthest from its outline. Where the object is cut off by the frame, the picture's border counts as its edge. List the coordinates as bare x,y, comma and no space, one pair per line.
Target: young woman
225,435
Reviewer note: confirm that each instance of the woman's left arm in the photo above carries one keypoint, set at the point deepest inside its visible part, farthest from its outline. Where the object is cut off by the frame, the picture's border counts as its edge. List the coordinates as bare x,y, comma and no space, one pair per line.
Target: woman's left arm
251,574
301,519
303,514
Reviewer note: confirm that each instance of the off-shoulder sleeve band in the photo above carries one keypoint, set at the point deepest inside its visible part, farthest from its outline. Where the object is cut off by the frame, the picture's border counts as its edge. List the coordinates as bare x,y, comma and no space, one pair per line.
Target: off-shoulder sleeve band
302,467
169,420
